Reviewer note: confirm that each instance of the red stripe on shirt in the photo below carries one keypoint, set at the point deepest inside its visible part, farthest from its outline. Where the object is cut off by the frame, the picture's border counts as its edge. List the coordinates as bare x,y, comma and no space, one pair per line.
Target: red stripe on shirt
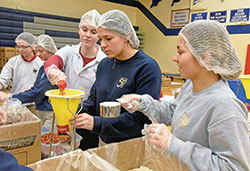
29,60
54,59
86,60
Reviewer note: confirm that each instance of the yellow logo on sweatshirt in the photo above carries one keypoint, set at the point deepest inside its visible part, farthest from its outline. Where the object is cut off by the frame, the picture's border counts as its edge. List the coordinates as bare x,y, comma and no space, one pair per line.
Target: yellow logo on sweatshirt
183,121
122,82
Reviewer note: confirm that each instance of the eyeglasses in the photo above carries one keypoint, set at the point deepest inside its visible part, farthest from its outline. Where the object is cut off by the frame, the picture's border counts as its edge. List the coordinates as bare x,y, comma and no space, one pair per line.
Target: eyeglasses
22,47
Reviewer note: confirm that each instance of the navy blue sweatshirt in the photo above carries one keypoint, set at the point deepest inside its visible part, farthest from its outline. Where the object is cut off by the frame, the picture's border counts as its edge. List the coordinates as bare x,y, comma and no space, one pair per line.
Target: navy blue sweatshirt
8,162
36,93
114,78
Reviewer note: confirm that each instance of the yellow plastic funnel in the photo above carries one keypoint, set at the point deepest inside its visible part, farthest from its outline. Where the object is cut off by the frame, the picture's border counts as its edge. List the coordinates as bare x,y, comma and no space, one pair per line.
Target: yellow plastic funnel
245,79
62,105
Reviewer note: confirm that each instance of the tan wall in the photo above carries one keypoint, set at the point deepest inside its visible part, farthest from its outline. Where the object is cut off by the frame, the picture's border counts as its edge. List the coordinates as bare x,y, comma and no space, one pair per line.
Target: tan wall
163,47
74,8
157,45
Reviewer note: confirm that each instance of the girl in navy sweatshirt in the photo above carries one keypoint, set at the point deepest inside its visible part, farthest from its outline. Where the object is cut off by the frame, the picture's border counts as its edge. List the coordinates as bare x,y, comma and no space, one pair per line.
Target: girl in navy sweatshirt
125,70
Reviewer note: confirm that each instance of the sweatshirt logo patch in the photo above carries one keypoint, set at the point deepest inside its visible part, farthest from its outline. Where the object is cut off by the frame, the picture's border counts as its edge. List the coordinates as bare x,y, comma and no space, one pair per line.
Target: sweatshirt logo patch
183,121
34,70
122,82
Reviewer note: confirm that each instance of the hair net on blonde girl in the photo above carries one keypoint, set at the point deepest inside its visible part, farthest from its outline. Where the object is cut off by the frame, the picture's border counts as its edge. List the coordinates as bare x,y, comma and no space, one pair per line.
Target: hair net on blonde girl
89,18
119,22
211,45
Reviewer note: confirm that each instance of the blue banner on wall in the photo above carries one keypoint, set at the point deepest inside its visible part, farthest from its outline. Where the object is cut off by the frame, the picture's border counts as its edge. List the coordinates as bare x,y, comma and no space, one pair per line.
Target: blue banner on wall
220,16
239,15
199,16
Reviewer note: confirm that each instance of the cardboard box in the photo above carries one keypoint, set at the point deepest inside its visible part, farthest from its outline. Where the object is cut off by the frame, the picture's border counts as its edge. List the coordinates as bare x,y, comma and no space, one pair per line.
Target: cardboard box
1,62
17,52
2,52
165,81
22,139
7,52
169,90
126,155
10,52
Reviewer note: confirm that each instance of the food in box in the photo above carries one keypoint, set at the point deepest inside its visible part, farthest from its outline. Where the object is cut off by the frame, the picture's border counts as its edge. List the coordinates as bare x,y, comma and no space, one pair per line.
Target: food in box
45,142
60,143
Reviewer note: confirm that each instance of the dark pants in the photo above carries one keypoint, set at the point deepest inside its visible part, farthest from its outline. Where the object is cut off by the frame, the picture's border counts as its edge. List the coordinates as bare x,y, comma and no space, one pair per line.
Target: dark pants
89,140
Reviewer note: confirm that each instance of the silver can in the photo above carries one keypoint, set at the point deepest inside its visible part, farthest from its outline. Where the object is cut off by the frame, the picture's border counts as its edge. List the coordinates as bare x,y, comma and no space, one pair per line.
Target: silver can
110,109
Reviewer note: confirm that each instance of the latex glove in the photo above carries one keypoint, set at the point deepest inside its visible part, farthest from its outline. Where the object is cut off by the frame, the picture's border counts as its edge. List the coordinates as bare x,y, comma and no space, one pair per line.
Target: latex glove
130,102
159,136
3,116
54,74
84,121
4,96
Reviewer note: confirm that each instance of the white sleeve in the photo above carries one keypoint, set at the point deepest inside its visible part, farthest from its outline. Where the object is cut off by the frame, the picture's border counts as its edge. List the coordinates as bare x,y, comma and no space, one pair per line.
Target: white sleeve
7,72
65,52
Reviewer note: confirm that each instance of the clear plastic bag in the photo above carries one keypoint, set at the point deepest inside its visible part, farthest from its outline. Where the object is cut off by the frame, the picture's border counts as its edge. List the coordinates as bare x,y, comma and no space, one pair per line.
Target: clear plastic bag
54,74
14,109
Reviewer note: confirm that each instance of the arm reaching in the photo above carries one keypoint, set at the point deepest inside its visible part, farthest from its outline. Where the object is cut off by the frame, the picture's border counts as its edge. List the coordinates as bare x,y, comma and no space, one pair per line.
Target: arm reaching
3,116
4,96
130,102
54,74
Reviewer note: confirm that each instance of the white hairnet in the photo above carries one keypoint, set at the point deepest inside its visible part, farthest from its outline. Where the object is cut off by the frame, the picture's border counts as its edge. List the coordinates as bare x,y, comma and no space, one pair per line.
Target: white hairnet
46,42
27,38
119,22
89,18
210,44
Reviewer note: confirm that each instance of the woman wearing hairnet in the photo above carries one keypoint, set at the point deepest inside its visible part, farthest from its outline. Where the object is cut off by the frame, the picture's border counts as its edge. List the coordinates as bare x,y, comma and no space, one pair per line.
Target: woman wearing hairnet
209,123
23,68
126,70
45,48
80,64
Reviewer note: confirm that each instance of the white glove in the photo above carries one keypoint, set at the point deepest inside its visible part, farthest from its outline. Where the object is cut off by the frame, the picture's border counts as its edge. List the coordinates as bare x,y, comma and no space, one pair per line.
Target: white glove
4,96
130,102
3,116
54,74
158,135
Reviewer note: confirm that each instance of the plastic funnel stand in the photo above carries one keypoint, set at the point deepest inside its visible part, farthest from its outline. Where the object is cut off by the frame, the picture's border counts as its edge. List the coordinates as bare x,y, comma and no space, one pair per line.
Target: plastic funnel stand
60,105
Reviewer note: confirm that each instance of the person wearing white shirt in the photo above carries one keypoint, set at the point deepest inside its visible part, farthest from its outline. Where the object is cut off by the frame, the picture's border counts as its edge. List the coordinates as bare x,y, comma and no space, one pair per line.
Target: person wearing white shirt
22,69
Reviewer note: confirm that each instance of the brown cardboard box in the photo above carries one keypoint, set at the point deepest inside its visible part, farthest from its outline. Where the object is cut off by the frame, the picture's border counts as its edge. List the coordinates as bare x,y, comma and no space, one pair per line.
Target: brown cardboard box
2,52
22,139
126,155
169,89
165,81
7,52
17,52
1,62
10,52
